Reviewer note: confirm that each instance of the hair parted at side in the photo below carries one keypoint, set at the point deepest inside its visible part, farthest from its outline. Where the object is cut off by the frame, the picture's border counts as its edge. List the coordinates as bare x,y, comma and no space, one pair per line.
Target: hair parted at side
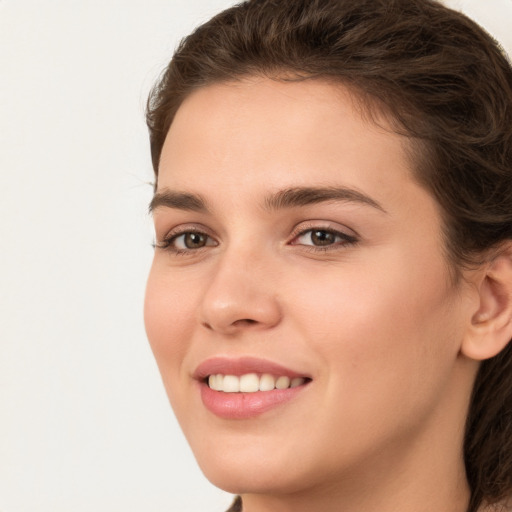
443,82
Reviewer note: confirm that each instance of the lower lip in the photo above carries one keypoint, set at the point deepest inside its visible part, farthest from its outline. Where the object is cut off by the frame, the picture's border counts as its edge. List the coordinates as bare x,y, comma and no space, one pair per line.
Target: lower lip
245,405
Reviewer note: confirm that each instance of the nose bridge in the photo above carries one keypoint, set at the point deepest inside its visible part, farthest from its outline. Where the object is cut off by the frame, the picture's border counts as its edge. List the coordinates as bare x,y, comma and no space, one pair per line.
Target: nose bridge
241,293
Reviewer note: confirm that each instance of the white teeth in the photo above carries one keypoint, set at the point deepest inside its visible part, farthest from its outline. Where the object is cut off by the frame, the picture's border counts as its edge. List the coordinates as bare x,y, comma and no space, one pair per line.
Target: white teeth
283,382
267,382
231,384
216,382
251,382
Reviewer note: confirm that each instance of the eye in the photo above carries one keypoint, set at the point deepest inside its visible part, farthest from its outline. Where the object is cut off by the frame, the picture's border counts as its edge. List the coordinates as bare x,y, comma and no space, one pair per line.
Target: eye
186,241
323,238
190,240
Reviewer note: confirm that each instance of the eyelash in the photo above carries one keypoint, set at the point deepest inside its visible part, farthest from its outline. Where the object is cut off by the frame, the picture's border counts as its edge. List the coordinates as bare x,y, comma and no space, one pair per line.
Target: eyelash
344,240
167,243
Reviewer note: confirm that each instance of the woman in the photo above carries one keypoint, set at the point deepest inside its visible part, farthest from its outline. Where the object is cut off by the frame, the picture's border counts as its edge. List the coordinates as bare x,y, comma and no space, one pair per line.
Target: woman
330,303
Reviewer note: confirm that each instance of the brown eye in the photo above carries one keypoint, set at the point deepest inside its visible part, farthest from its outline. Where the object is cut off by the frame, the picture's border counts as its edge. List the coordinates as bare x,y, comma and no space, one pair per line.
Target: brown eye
321,237
194,240
324,238
188,241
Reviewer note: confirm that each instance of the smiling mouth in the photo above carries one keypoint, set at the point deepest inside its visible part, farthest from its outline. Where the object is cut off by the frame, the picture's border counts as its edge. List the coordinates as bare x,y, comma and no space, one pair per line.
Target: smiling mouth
252,382
244,388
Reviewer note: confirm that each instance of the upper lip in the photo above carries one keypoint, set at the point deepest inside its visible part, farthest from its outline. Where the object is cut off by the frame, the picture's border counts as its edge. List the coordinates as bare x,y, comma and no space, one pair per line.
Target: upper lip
242,365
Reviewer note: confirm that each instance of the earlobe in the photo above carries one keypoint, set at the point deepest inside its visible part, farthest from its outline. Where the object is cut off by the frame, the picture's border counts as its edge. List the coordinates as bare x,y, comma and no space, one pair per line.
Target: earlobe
491,325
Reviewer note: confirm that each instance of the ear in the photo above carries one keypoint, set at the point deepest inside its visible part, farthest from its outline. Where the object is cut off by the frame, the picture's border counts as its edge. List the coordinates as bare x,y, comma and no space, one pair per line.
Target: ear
491,325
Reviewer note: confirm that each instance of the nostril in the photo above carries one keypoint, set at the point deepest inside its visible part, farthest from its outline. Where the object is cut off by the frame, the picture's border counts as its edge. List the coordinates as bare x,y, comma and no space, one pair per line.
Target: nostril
245,321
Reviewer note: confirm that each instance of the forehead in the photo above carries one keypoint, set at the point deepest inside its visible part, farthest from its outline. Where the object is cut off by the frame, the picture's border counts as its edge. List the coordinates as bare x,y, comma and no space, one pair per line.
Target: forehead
260,128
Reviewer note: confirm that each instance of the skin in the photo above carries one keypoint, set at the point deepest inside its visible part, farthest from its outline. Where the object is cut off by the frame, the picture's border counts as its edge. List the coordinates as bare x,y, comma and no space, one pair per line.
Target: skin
377,324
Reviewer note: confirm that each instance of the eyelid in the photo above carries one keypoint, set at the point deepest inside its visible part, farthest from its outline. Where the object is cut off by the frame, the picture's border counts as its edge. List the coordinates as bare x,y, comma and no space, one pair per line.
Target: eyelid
166,241
322,225
188,227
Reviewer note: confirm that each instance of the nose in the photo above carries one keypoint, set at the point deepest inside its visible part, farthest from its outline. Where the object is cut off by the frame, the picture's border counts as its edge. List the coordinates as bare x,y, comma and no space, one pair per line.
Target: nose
241,296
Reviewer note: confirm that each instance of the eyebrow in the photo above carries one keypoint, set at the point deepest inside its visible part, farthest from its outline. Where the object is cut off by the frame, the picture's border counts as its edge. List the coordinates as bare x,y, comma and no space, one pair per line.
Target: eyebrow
178,200
282,199
304,196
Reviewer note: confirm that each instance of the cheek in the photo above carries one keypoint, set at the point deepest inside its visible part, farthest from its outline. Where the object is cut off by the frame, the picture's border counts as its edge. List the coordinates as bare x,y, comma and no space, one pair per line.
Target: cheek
388,337
167,314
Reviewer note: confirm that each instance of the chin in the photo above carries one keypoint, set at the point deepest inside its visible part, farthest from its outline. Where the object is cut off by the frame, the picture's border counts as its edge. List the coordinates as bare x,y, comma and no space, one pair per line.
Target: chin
250,471
241,479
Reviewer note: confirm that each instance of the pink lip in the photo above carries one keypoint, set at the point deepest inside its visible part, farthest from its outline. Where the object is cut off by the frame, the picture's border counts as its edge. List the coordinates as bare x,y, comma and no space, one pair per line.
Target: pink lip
244,405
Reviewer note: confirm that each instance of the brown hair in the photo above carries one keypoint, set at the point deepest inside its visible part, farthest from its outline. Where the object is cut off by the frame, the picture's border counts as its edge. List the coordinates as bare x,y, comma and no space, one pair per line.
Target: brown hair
444,83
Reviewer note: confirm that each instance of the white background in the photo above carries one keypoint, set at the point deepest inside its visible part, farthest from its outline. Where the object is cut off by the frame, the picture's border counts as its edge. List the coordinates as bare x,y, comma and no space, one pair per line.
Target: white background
84,421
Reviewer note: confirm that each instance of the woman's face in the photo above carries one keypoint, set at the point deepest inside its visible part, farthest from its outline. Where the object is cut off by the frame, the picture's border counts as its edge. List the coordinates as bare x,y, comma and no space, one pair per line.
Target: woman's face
294,248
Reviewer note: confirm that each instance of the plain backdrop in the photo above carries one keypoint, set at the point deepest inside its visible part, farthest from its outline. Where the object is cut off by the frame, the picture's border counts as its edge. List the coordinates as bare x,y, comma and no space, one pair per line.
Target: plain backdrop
84,421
